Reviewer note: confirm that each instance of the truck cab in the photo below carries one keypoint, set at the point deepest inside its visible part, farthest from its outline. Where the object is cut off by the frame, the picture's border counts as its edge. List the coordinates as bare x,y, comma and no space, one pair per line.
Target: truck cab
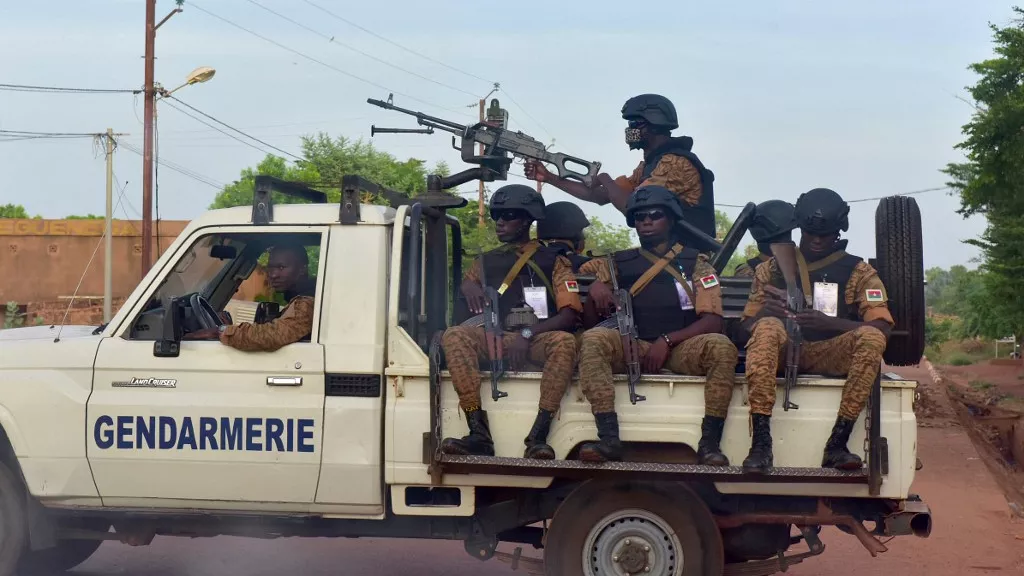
129,430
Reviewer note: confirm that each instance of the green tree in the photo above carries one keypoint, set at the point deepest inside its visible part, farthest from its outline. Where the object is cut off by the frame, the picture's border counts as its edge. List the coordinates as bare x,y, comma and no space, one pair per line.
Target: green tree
603,238
991,182
86,217
13,211
723,223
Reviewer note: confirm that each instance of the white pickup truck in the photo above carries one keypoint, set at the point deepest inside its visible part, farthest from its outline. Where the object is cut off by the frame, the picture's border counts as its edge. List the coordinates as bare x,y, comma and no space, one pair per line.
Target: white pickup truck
125,431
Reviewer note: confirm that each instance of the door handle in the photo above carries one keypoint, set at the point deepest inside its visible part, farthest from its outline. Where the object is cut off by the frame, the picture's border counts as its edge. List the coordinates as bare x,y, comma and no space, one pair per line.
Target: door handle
284,381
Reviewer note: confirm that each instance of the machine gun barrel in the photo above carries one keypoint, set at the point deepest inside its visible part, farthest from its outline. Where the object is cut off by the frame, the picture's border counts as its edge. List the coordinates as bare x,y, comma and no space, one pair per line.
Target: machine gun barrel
421,118
374,130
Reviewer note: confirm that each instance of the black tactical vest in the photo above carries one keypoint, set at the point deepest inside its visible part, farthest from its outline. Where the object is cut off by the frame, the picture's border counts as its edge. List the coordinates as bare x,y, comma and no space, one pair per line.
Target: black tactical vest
701,215
753,263
656,308
575,259
839,273
497,264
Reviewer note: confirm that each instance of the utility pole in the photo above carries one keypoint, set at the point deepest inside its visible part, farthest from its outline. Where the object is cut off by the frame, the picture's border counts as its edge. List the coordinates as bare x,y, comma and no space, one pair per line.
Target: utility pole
108,258
147,136
147,140
481,199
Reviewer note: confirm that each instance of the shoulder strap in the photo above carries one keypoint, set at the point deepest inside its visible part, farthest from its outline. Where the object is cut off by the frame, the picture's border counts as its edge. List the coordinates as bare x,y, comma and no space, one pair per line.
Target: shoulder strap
805,277
658,265
517,267
543,277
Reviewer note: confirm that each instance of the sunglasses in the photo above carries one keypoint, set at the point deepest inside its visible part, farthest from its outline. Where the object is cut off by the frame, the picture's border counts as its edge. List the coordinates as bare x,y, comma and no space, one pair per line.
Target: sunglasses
508,215
636,123
652,215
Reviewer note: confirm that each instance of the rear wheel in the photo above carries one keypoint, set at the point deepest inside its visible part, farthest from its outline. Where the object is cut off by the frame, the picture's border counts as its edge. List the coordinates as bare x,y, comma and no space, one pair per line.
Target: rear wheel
900,264
633,528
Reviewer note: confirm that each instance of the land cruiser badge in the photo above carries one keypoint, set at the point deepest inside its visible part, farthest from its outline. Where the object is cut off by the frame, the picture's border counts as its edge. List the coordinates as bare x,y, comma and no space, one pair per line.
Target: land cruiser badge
146,383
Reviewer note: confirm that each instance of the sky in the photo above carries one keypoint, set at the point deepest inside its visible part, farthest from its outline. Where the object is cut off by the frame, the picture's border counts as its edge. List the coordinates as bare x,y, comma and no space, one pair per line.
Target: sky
780,97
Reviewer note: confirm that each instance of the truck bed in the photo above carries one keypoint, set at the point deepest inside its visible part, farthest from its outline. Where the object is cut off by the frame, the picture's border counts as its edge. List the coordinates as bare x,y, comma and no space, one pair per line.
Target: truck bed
665,430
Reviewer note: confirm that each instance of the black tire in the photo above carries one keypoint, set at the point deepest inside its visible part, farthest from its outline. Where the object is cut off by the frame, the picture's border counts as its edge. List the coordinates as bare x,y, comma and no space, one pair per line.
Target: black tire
900,265
13,525
63,557
652,513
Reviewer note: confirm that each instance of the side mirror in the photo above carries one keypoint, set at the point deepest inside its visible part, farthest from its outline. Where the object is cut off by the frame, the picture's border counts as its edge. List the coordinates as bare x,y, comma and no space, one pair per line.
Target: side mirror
169,344
223,252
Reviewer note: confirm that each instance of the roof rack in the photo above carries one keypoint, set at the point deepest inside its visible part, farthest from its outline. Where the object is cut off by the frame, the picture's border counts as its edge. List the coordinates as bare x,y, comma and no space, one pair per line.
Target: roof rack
263,203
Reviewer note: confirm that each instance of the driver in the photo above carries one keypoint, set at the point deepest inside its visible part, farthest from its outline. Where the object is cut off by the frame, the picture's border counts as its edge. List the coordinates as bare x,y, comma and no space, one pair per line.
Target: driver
288,273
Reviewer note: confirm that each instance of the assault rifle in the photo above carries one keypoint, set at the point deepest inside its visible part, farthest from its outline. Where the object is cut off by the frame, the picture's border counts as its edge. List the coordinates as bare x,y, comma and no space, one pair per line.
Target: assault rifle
785,257
498,143
627,331
493,334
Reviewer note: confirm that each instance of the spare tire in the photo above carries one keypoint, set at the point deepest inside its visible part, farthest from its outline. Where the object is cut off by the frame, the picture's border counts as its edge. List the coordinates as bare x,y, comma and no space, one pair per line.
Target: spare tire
900,264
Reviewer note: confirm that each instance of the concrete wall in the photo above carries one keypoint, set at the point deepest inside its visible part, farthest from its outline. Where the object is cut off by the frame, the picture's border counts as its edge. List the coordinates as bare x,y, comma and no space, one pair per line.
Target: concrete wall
43,260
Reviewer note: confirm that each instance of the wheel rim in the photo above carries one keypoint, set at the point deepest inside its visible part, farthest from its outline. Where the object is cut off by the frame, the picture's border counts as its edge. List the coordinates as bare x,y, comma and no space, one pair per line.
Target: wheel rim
633,542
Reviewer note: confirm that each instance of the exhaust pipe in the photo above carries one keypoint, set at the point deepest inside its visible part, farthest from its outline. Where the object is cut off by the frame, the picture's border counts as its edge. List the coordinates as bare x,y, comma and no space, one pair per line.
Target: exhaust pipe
914,518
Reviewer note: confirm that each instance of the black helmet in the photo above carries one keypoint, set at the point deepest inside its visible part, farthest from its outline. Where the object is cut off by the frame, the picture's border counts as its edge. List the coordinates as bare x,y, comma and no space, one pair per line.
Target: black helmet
562,220
518,197
649,197
773,219
821,211
655,109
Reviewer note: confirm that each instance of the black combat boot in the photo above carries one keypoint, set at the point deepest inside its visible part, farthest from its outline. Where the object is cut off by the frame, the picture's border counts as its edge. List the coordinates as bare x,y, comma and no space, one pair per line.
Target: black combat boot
836,453
536,440
760,457
610,447
709,451
478,442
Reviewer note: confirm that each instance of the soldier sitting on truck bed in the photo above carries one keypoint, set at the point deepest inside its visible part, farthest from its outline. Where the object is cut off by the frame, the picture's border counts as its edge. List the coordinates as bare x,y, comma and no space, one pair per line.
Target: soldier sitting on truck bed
844,334
773,223
562,230
668,161
677,309
524,272
288,274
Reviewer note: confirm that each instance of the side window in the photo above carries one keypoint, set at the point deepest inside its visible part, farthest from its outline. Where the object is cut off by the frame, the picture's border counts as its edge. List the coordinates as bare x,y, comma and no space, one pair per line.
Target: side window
234,274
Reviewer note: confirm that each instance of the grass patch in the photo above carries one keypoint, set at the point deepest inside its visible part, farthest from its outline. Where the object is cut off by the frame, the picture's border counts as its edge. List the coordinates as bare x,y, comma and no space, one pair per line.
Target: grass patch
959,359
981,385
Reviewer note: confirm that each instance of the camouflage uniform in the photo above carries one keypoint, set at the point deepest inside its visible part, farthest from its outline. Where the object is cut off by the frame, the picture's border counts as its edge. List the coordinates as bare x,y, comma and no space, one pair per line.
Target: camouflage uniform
856,355
673,172
294,324
746,269
465,347
711,355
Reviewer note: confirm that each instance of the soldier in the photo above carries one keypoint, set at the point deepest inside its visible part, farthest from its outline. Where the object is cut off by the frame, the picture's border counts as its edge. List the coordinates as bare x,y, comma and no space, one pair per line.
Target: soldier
525,273
562,229
668,162
773,223
288,273
844,334
677,309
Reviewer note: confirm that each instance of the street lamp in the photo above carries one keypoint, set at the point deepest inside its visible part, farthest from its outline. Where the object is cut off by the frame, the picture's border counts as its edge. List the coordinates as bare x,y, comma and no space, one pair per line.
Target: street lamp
197,76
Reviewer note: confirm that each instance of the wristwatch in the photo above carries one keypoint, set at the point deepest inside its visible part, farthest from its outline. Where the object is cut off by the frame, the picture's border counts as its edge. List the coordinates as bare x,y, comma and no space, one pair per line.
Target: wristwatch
526,333
667,340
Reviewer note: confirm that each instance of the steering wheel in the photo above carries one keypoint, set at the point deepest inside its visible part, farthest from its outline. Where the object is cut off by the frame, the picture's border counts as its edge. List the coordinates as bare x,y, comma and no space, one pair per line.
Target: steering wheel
203,312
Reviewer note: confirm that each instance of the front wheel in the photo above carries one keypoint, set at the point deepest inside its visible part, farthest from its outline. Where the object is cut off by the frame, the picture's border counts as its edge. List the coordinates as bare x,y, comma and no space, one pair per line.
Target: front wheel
633,528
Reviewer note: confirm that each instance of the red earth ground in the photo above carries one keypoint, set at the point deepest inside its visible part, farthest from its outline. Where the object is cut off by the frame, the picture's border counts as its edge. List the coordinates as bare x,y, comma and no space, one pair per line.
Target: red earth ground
973,532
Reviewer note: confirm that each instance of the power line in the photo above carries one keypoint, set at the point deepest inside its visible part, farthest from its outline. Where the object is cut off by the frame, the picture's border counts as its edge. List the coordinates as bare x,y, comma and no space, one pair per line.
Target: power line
528,115
59,89
358,51
396,44
229,135
875,198
321,62
179,169
228,126
31,134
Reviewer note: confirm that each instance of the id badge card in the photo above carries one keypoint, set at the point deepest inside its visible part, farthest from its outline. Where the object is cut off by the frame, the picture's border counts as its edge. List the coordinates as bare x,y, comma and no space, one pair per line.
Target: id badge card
826,298
684,298
536,297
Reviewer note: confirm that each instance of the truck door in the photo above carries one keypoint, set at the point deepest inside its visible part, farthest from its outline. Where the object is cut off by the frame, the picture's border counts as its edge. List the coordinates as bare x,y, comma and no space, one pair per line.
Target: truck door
214,426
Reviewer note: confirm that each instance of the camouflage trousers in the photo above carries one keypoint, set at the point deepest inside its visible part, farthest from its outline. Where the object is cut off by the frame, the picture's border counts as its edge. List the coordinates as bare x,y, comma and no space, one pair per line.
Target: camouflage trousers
465,347
711,355
856,355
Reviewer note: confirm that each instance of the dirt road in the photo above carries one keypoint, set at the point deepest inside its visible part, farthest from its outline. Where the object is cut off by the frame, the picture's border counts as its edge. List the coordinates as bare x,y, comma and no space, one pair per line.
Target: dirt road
973,533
